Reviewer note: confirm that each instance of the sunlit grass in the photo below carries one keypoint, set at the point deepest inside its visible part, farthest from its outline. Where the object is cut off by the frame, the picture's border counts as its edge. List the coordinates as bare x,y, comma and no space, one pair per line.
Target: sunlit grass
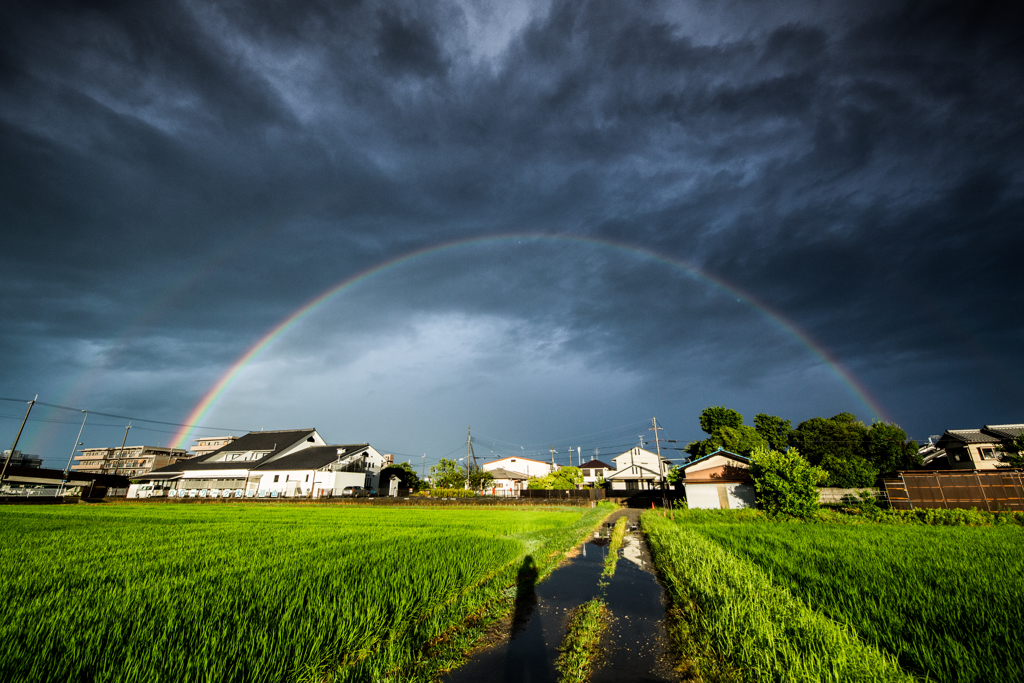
740,625
948,602
255,593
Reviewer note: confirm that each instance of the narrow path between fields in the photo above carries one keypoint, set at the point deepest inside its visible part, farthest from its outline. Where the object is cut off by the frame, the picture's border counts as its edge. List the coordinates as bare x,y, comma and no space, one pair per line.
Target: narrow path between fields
636,645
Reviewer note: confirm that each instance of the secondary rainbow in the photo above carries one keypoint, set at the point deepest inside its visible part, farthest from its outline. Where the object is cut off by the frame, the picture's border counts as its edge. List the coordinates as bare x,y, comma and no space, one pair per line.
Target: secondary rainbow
210,399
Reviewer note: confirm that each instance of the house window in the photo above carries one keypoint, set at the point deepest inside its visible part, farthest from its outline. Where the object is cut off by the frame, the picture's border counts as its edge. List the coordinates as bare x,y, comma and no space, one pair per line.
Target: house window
586,473
987,453
512,460
276,476
307,477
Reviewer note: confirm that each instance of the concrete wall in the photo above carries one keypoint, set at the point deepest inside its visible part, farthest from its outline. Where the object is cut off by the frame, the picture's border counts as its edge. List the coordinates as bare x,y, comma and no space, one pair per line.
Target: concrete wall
835,495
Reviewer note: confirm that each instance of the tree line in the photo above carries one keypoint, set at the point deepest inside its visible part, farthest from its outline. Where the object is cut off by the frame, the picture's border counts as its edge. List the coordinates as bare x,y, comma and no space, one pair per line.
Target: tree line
852,454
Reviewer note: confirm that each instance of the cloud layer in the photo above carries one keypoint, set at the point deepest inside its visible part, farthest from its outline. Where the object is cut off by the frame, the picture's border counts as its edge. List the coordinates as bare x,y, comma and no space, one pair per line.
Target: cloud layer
178,178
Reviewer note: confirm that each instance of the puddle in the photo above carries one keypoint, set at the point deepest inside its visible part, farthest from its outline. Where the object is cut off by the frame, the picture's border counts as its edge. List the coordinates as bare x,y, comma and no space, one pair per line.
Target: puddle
637,644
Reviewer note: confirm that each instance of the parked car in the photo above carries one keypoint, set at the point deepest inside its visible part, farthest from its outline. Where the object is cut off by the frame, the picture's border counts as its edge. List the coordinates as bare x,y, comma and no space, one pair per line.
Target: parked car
355,492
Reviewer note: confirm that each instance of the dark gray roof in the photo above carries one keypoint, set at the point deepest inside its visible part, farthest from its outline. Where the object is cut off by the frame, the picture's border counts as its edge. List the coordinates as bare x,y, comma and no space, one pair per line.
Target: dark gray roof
499,473
965,436
595,464
263,441
312,458
1006,431
274,442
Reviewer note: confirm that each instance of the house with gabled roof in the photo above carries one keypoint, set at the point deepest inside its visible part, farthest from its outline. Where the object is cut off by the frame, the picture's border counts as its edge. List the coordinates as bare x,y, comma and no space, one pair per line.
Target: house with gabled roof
521,465
638,469
975,449
719,481
506,482
285,463
595,471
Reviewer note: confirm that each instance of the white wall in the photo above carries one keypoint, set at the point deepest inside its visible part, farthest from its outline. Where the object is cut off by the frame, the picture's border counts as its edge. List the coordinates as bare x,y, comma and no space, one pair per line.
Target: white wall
706,496
531,468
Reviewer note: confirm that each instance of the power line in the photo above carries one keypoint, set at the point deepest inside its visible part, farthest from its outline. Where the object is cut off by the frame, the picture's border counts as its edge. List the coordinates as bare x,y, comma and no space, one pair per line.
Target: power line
127,417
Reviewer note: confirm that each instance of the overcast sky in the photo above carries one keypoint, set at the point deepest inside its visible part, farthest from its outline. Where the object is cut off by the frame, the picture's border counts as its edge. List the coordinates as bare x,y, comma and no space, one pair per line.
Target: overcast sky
178,178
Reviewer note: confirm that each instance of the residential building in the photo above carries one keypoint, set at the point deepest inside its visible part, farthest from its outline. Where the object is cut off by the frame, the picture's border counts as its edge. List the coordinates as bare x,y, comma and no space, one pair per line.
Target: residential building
286,463
595,471
521,465
506,482
975,449
209,444
638,469
22,459
718,481
130,461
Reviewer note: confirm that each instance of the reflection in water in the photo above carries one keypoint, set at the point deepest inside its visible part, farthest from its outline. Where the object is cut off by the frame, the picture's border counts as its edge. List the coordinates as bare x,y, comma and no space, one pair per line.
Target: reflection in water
637,642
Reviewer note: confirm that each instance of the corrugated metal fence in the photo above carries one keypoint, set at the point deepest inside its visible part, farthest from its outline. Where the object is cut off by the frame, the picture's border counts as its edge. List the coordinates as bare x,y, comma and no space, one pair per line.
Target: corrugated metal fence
993,490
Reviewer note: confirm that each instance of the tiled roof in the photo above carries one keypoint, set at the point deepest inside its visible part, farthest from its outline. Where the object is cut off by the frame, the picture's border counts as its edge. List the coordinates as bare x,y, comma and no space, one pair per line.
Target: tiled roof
966,436
312,458
594,465
263,441
1006,431
500,473
274,442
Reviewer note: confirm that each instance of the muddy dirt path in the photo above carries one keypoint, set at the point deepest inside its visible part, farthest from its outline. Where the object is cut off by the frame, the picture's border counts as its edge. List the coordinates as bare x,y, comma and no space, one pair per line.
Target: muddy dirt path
524,648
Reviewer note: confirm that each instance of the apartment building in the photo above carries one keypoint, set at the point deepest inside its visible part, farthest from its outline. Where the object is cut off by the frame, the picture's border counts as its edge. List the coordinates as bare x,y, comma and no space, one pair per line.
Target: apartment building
209,444
130,461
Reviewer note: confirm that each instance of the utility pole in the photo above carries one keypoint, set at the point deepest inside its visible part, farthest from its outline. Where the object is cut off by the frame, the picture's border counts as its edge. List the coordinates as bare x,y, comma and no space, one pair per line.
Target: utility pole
553,451
73,449
423,468
7,461
470,455
661,465
120,453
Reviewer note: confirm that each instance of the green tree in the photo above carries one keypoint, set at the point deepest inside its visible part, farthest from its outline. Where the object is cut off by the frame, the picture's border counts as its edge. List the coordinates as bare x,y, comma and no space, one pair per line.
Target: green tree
848,473
1012,453
838,444
774,430
407,477
479,479
786,484
889,450
562,479
741,440
715,417
448,475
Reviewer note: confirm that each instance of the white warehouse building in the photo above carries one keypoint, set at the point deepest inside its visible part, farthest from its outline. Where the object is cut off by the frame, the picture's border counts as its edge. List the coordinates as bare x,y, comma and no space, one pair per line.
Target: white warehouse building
277,464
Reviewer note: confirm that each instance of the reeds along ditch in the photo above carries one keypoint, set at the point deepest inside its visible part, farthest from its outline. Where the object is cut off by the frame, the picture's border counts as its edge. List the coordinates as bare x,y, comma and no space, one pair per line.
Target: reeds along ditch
268,593
735,614
618,533
581,647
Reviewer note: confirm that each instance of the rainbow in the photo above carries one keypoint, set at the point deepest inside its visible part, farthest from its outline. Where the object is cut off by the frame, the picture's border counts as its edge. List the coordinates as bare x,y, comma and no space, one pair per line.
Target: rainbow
199,412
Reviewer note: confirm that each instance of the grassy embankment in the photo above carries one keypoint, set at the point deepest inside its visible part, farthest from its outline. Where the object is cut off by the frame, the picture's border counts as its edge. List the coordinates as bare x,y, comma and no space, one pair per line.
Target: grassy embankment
581,646
614,543
763,601
261,593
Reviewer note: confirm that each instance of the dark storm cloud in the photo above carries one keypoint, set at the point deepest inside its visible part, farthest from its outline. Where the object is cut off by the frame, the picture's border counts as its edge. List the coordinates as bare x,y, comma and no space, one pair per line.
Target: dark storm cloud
196,171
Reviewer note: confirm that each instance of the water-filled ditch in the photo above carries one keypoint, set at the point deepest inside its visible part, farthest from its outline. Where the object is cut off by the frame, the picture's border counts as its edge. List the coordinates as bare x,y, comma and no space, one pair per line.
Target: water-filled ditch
636,646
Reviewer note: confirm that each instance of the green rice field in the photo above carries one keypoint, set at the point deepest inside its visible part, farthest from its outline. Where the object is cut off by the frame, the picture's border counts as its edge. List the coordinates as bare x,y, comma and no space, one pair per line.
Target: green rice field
820,601
163,592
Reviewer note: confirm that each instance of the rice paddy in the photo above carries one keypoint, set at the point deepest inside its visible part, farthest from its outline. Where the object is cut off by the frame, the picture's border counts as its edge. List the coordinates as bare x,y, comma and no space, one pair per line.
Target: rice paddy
260,593
817,601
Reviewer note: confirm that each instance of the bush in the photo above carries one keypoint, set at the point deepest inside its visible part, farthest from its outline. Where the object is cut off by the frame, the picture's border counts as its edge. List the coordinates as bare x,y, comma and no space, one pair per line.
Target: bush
786,484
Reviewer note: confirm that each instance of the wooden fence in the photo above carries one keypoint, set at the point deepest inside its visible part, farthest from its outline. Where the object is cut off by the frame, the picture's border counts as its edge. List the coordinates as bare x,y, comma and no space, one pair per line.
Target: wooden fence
993,490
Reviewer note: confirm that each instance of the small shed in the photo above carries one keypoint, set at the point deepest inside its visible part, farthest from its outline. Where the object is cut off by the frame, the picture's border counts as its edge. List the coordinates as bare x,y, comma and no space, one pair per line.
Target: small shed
719,481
